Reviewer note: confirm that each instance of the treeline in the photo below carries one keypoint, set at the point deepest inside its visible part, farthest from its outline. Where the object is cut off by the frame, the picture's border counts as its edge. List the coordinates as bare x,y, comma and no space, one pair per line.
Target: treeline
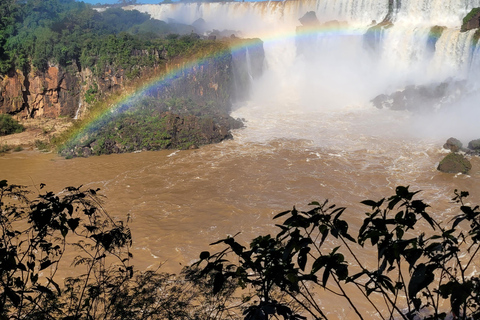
38,33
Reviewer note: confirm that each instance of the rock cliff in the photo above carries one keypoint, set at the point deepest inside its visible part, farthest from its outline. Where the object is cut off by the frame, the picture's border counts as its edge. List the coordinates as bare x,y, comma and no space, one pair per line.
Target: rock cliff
65,92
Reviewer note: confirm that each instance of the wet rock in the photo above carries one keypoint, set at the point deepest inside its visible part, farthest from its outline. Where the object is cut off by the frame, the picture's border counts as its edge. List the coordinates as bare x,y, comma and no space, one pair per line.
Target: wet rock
474,145
453,145
424,98
471,20
309,19
454,163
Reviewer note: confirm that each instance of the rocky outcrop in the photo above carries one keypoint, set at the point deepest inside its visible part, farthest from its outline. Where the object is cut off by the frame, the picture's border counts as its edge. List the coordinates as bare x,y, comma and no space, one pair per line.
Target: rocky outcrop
433,36
471,20
12,90
454,163
166,130
57,91
474,145
421,98
306,39
453,145
373,37
66,92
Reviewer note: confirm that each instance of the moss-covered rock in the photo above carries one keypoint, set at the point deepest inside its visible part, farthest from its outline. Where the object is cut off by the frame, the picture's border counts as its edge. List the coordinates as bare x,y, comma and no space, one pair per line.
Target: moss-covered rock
454,163
474,145
471,20
433,35
155,125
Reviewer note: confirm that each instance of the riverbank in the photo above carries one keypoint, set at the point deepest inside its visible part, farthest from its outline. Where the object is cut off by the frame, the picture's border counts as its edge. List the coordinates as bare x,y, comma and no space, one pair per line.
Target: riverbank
37,134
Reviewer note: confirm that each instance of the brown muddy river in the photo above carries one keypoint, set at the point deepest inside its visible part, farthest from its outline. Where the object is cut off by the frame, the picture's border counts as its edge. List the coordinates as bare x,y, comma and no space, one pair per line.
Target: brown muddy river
181,201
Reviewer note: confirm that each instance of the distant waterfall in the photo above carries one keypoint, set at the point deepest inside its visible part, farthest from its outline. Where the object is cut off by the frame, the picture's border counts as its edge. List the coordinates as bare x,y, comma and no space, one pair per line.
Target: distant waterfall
448,13
339,60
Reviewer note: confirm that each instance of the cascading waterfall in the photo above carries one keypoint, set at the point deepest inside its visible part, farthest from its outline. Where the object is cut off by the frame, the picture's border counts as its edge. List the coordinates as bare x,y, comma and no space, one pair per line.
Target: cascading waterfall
338,67
79,111
249,64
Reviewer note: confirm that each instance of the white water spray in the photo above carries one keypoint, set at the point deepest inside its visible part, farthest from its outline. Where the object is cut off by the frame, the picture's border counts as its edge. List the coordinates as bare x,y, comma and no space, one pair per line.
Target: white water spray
341,71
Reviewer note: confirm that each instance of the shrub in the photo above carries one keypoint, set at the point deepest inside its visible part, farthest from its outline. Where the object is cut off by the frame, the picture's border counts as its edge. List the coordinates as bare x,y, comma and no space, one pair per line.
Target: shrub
41,145
413,273
35,238
8,125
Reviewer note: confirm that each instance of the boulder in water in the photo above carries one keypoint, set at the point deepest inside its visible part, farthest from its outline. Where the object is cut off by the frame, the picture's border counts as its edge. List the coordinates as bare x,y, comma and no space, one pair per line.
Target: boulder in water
454,163
453,145
474,145
422,98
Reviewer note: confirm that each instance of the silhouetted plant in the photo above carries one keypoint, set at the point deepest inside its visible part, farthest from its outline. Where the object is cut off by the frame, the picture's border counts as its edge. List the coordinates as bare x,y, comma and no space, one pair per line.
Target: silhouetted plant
32,244
36,234
414,273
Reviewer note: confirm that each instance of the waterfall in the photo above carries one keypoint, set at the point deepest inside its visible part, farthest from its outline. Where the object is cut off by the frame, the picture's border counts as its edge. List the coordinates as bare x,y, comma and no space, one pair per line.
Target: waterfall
447,13
79,111
249,64
334,60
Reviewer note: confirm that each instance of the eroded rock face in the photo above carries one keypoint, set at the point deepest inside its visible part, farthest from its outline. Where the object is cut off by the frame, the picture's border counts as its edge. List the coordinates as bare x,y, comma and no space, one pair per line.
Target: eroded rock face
12,91
454,163
53,93
64,92
50,94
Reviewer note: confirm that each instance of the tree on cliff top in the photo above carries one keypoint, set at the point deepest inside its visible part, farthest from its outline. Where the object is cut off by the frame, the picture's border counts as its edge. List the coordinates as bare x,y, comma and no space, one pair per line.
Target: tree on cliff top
413,275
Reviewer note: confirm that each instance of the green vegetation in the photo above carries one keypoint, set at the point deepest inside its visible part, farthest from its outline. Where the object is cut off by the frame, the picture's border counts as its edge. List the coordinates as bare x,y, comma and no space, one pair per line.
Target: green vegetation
8,125
90,94
4,148
436,32
148,123
34,33
41,145
474,12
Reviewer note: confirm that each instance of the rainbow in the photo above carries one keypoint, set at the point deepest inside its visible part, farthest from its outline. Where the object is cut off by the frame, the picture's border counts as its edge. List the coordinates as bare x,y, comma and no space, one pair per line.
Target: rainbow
129,100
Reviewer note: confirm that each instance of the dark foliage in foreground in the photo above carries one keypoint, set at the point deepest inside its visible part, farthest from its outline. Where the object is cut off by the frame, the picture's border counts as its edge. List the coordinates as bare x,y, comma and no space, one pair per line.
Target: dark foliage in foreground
37,235
426,275
413,274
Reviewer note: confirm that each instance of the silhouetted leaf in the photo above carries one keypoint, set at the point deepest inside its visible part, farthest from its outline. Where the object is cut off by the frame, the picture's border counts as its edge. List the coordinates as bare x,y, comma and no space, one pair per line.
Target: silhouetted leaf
421,278
204,255
281,214
45,264
13,296
302,258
